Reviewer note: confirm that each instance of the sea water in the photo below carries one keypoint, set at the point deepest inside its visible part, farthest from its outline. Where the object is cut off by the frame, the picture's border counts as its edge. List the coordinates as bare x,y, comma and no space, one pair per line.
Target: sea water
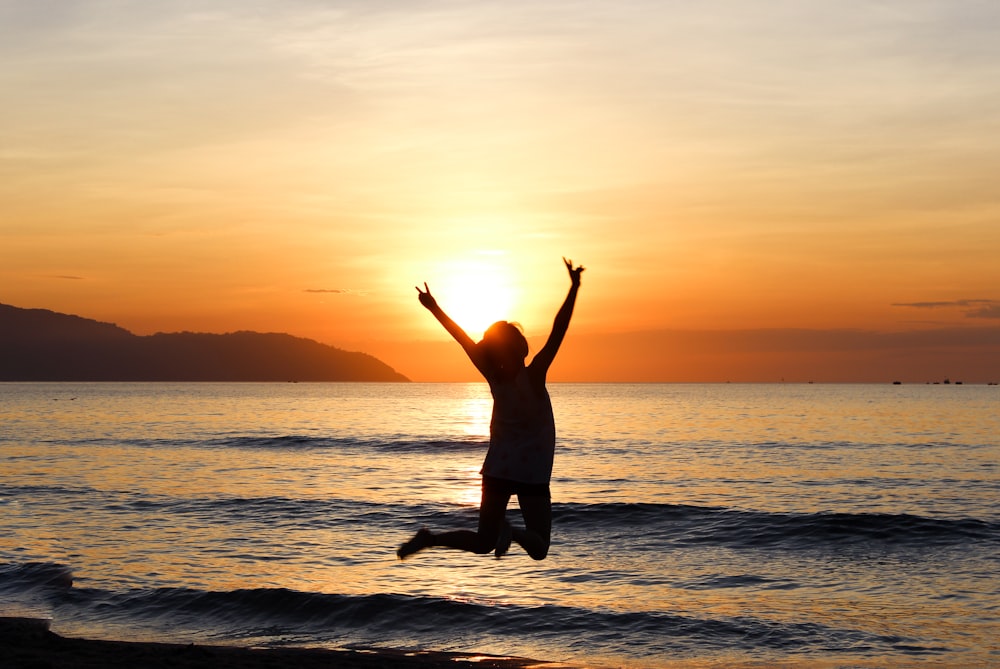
694,525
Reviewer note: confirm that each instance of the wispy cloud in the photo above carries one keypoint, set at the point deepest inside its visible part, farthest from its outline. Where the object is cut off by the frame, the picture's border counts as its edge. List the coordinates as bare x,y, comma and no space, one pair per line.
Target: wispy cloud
979,308
991,310
336,291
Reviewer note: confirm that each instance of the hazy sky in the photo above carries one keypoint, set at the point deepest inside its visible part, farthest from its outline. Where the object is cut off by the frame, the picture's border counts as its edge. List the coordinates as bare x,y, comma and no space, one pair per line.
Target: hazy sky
757,188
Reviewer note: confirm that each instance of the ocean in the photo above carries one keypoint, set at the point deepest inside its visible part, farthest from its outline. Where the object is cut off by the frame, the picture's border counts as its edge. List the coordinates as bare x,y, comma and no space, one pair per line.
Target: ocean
723,525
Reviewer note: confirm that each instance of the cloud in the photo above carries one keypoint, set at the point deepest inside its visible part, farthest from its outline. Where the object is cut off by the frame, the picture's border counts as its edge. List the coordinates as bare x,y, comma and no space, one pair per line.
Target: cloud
975,308
337,291
66,276
990,310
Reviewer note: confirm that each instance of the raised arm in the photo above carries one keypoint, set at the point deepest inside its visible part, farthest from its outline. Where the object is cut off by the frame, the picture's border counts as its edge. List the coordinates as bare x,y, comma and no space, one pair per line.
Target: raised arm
545,356
467,343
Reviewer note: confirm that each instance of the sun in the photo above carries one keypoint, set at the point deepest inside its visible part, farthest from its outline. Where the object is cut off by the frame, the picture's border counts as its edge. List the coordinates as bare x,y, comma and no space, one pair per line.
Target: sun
476,294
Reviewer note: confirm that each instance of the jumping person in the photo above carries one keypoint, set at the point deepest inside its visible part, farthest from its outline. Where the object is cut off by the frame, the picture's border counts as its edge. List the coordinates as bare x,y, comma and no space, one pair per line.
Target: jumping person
522,435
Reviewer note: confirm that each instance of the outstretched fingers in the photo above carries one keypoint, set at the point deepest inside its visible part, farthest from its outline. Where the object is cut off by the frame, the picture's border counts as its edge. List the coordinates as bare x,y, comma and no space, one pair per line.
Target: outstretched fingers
574,272
425,296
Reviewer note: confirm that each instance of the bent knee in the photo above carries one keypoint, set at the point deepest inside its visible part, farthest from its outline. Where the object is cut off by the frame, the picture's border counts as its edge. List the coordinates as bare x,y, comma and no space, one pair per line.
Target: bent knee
539,554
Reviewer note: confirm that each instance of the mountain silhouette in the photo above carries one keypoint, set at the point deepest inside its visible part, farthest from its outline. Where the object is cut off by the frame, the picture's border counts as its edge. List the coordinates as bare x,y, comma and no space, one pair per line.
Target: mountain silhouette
43,345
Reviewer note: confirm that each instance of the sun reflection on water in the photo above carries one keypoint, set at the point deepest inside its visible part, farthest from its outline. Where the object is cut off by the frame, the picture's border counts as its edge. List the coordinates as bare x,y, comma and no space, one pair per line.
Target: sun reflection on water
470,491
476,412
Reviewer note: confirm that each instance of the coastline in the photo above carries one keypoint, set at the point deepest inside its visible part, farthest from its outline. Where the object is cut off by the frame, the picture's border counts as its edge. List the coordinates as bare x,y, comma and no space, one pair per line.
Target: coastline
28,643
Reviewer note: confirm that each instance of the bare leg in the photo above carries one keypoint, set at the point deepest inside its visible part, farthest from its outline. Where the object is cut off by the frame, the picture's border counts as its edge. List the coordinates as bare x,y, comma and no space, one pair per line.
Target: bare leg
537,513
492,509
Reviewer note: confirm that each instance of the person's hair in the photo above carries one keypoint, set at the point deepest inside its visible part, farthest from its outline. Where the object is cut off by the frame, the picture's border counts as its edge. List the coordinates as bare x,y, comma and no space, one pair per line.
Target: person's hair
504,339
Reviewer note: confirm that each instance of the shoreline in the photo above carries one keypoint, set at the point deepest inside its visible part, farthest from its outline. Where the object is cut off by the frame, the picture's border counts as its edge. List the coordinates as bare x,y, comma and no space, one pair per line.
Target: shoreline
28,643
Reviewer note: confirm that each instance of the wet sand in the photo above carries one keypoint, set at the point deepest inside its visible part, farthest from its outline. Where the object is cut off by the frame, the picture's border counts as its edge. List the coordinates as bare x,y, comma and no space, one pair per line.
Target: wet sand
27,643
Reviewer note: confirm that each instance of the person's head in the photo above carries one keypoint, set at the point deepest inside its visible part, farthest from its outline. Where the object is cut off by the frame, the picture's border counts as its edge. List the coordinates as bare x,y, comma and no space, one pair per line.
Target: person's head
505,344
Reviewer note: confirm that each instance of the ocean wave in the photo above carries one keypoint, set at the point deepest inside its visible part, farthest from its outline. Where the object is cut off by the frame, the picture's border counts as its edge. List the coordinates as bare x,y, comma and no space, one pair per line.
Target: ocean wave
684,525
279,615
41,491
268,512
35,575
660,525
389,443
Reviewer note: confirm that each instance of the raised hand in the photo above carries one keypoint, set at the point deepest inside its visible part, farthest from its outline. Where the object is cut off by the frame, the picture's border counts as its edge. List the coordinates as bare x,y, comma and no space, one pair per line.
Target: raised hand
425,297
574,272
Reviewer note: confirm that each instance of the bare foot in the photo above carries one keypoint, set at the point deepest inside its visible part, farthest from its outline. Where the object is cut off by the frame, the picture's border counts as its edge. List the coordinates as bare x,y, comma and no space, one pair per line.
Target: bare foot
421,540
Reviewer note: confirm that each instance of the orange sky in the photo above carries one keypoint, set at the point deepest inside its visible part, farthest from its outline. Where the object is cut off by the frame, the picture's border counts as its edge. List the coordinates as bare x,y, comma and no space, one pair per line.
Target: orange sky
758,190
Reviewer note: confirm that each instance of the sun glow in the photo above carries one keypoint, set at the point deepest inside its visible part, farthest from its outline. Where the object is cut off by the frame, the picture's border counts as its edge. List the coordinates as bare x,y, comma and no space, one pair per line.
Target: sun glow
476,294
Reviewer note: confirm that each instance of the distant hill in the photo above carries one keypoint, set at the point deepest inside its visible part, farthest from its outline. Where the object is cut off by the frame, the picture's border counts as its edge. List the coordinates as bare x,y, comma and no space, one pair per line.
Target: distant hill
42,345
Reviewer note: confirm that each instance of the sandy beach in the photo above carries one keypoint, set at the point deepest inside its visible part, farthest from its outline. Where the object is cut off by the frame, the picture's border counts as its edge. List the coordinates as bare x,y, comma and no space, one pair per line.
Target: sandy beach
27,643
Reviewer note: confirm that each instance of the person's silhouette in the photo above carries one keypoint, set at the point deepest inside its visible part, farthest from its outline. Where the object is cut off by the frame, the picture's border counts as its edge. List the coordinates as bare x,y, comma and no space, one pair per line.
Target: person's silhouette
522,435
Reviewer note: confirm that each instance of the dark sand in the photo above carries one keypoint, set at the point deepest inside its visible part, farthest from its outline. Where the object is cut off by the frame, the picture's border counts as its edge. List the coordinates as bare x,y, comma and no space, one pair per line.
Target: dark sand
27,643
